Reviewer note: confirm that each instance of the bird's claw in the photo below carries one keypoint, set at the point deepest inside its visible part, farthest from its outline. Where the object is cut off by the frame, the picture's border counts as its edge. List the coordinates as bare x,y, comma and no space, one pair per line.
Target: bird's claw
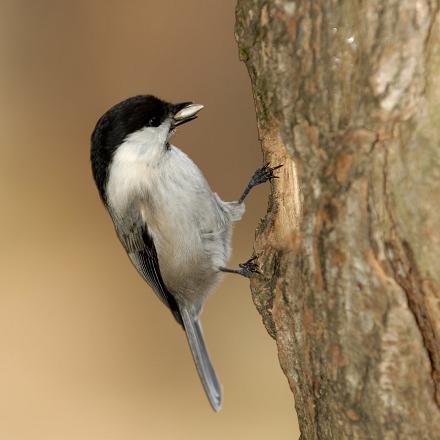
249,268
265,173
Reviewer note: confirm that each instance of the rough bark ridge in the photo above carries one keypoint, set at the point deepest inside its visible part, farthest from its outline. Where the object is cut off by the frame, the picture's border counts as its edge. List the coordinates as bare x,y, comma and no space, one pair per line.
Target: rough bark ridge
347,94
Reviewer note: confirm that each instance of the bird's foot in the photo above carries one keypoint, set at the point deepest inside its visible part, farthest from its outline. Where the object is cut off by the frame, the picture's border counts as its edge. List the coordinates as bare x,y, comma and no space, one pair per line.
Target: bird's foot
248,269
264,174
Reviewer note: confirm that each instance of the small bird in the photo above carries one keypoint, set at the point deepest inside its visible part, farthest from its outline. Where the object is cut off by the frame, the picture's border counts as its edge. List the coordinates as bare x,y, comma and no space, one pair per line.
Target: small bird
175,230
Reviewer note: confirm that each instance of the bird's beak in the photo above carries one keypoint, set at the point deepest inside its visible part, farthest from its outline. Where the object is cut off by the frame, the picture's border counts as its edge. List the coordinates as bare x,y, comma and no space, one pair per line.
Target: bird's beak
185,112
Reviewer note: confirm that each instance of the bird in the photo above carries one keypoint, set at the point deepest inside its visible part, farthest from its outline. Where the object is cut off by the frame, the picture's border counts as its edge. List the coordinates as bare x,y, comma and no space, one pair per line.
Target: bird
175,230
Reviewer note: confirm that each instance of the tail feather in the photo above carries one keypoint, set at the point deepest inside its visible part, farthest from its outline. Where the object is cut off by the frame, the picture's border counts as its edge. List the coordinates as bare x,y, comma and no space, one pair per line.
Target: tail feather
201,358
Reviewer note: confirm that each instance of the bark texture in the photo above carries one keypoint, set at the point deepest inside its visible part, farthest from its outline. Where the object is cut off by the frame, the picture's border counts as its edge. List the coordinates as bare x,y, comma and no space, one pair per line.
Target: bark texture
347,95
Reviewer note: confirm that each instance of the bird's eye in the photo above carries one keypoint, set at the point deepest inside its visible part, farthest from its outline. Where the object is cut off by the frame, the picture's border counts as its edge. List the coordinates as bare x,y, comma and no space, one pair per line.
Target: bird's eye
153,122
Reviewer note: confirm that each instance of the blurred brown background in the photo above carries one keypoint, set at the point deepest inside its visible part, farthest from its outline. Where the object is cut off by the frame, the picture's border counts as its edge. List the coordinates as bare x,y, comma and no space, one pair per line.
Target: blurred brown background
87,351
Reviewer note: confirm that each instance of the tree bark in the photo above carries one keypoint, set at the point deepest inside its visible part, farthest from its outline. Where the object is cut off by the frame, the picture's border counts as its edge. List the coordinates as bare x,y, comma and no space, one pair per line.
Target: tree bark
347,96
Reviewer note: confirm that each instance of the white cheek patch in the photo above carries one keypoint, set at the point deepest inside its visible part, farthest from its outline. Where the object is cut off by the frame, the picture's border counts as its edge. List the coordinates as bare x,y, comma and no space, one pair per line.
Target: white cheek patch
149,136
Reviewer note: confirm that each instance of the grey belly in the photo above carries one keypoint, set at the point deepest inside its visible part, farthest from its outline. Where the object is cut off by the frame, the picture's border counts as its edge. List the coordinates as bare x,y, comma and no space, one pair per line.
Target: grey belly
189,263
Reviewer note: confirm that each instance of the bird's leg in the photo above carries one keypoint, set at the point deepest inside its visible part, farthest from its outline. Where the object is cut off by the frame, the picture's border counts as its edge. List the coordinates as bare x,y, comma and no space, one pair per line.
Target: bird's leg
247,269
262,175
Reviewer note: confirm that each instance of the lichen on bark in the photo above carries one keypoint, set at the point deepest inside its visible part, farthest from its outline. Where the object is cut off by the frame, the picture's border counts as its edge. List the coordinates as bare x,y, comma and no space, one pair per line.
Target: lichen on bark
347,97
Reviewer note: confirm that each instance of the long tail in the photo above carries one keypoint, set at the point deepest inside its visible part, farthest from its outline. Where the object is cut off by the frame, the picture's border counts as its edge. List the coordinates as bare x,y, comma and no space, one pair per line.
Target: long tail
201,358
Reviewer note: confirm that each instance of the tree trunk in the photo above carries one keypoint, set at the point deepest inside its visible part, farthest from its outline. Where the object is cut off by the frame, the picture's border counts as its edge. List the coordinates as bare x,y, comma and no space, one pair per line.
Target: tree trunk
347,95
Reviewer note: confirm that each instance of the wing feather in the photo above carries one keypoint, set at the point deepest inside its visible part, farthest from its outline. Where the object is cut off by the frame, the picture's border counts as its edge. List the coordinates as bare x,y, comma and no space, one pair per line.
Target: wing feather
140,248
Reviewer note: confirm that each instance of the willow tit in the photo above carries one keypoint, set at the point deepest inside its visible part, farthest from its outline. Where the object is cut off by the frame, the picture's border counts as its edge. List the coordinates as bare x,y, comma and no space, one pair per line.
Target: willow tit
175,230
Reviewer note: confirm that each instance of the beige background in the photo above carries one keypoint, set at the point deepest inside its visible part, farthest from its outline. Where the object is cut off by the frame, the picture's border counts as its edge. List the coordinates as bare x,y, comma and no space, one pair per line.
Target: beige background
86,350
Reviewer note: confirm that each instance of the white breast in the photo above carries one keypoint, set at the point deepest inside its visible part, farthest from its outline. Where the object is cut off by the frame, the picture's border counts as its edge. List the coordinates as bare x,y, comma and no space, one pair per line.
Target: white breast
134,160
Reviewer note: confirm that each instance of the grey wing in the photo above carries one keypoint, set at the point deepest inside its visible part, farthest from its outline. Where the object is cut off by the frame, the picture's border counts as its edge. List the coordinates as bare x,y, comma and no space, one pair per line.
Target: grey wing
140,248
